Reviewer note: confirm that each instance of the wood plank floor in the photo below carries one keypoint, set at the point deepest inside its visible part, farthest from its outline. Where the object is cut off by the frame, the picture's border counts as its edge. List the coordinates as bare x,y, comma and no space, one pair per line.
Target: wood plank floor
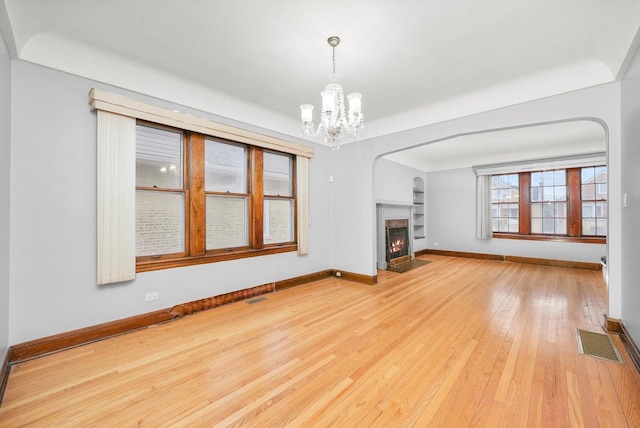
454,343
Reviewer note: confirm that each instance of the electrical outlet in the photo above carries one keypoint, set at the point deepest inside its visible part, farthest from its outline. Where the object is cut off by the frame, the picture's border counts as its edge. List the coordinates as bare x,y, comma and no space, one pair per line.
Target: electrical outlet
151,296
338,273
436,244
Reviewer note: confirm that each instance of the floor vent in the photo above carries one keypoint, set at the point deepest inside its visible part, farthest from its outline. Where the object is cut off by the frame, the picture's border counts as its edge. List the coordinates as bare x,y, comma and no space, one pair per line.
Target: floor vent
256,300
598,345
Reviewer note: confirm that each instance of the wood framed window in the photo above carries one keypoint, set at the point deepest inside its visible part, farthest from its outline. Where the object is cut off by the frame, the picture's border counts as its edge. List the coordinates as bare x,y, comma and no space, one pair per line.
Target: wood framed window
177,199
201,199
563,205
505,200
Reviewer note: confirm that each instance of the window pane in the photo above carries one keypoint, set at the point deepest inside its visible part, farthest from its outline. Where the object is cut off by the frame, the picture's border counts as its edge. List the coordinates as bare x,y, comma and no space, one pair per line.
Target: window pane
601,174
158,158
588,226
549,193
548,210
159,222
225,167
588,210
548,225
536,194
561,226
561,209
278,220
587,175
560,193
601,209
536,210
601,227
277,174
547,178
536,225
536,179
588,192
601,191
226,222
560,177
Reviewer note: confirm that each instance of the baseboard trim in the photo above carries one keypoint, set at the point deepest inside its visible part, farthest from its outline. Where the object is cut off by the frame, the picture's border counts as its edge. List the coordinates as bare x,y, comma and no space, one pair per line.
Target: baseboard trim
304,279
517,259
613,325
355,277
47,345
465,254
4,373
556,263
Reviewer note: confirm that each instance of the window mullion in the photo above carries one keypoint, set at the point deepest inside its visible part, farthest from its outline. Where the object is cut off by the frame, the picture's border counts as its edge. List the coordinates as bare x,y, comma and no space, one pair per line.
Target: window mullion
524,207
574,214
257,198
196,194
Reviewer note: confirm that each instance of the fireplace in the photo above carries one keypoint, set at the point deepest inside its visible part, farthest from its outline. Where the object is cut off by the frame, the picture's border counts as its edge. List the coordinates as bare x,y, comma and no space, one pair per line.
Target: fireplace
394,232
397,238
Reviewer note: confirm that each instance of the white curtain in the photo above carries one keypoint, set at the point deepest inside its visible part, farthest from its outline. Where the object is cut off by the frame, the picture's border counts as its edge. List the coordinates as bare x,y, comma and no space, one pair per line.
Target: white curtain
483,207
302,183
116,197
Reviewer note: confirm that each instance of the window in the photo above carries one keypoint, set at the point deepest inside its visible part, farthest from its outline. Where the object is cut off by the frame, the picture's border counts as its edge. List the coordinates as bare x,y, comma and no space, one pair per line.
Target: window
160,192
505,197
549,202
210,198
278,199
567,204
166,174
593,184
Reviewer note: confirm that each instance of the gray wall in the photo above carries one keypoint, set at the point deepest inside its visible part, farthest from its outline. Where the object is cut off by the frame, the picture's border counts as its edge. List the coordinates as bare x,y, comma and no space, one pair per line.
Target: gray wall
5,168
53,219
394,185
451,214
631,186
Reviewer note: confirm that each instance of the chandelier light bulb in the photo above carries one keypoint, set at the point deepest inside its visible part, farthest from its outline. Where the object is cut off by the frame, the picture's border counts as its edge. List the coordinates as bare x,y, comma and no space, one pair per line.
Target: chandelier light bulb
335,121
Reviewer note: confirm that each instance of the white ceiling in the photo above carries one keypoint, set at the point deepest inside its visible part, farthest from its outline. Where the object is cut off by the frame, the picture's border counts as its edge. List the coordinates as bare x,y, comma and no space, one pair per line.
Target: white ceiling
255,61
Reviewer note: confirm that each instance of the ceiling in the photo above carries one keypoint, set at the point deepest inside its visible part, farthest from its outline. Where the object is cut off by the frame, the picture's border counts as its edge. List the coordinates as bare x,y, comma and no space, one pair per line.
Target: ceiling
255,61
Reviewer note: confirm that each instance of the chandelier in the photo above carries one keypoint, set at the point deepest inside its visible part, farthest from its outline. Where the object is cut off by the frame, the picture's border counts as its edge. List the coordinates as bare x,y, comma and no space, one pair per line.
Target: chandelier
335,121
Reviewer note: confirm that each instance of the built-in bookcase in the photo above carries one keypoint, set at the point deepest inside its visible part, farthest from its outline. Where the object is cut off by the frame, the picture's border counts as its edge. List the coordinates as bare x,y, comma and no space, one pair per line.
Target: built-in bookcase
418,208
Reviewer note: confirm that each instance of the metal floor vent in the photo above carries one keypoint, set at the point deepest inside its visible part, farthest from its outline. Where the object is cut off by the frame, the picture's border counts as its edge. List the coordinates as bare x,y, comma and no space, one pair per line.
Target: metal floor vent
598,345
256,300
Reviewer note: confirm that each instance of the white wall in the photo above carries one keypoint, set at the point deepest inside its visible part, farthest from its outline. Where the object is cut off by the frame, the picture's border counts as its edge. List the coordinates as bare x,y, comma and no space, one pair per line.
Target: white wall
451,214
53,219
5,167
630,153
354,202
393,184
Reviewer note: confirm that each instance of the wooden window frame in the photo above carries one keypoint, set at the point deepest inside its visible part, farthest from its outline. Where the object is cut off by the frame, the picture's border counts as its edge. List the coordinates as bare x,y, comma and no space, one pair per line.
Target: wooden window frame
195,205
574,214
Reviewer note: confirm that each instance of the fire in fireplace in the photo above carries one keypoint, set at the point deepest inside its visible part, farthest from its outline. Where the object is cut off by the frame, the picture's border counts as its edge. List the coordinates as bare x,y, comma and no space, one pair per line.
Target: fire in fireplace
397,238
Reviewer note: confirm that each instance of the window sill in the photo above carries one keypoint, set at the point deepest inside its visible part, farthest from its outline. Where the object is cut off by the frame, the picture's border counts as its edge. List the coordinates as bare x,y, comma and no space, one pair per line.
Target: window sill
150,265
578,239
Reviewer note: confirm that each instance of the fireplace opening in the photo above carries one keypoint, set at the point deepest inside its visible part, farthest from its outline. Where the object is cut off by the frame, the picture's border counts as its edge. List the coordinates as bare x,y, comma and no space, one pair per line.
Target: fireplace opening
397,239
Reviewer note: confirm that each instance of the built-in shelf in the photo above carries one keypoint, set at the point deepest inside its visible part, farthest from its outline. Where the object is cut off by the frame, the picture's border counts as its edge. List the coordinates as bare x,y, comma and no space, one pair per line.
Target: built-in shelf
418,208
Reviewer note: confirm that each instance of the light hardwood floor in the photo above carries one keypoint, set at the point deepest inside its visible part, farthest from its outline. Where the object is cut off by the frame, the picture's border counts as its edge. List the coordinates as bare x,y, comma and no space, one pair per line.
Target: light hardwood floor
455,343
